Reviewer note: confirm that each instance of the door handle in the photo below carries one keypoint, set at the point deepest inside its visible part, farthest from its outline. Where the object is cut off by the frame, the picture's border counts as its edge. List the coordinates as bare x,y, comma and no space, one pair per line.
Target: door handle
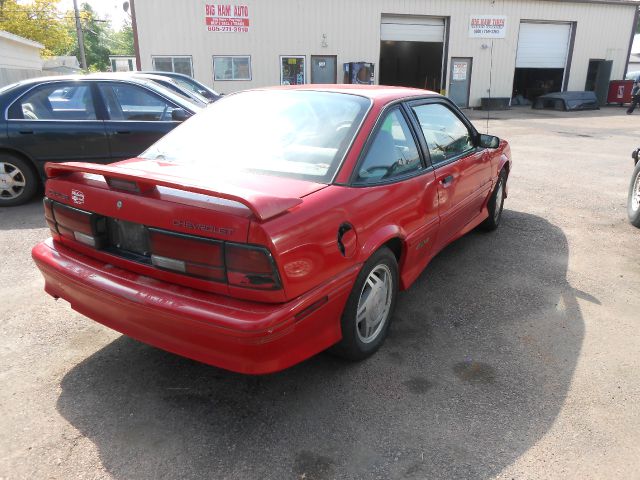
123,132
26,132
446,181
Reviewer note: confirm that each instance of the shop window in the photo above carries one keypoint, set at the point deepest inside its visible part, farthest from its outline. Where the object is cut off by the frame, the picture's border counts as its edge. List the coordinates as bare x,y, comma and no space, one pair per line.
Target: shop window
292,71
182,65
231,68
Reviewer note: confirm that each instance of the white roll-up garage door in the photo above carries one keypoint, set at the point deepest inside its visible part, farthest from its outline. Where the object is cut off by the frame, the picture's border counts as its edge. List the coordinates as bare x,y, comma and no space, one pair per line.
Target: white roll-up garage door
412,29
543,45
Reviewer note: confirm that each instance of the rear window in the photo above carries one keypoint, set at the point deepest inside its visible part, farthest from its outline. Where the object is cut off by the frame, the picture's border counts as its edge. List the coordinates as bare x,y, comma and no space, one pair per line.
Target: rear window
297,134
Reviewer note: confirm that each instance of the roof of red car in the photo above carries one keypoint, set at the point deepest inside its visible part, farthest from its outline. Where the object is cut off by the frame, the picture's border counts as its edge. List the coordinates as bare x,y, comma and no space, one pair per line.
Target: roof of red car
374,92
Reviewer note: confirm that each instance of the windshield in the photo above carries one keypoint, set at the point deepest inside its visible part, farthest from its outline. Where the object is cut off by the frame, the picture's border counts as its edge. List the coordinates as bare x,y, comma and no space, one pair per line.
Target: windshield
296,134
190,96
193,86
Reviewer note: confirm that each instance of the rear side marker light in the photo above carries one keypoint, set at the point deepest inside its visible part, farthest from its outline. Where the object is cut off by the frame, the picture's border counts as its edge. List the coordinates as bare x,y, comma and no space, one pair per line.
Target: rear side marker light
48,216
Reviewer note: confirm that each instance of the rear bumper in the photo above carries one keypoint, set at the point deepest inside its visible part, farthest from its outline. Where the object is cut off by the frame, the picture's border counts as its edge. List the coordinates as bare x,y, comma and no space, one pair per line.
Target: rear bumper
238,335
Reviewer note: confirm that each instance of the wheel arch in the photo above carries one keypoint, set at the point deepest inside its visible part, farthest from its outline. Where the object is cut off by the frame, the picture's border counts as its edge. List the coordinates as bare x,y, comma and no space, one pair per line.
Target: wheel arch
25,157
390,236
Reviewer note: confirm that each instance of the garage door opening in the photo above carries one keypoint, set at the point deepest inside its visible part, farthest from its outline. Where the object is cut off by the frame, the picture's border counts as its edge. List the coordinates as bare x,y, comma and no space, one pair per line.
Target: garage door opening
412,51
411,64
541,61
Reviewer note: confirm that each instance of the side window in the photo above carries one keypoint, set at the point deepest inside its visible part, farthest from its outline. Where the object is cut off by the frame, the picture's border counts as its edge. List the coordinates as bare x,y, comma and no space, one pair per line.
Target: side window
393,152
131,102
446,135
58,101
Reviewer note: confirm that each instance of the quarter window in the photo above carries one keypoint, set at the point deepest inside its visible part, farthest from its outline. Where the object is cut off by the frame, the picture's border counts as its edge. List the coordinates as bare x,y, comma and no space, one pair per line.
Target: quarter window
173,64
130,102
446,135
58,101
231,68
393,152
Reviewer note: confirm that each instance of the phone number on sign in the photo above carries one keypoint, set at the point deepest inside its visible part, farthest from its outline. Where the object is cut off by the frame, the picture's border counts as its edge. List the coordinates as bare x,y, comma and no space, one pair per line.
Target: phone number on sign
212,28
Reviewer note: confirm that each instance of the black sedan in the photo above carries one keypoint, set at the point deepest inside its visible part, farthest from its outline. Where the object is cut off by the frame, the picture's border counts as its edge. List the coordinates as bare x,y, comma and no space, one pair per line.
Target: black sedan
79,118
188,82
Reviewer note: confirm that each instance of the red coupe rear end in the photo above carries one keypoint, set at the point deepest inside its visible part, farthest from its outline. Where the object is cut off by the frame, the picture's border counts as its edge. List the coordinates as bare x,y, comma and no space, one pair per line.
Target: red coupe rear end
248,248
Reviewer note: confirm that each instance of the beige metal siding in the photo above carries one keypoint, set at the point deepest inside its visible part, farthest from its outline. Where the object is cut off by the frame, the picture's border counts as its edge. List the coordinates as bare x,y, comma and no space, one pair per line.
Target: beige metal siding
352,29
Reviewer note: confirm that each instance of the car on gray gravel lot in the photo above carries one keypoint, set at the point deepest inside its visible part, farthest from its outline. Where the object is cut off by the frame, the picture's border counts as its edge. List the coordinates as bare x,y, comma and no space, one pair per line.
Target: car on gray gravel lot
633,203
94,118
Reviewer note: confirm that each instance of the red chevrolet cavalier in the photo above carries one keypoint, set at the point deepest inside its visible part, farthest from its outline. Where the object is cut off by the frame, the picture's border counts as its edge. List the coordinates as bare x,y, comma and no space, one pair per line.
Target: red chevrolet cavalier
273,225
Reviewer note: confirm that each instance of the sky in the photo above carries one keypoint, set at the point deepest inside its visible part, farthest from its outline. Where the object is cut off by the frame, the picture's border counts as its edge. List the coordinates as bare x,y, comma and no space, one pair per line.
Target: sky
105,8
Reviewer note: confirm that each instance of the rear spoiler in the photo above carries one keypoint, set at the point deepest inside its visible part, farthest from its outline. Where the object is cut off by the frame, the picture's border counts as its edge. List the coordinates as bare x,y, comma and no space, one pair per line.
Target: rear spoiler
262,205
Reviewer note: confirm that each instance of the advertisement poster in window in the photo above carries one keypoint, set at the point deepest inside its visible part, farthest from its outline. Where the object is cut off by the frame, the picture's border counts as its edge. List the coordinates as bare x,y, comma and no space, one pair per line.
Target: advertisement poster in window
292,70
460,71
223,17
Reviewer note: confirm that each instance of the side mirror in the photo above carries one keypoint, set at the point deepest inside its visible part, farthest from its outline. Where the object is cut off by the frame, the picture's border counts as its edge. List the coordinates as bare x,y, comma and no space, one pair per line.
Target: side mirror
489,141
179,115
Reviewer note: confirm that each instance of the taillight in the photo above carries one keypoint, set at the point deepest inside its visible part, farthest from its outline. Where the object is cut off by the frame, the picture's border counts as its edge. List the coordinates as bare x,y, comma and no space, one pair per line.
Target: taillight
240,265
250,266
78,225
194,256
48,215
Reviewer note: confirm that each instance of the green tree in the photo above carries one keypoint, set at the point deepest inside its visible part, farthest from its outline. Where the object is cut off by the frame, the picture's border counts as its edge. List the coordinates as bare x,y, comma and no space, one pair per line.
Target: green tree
38,20
122,41
97,34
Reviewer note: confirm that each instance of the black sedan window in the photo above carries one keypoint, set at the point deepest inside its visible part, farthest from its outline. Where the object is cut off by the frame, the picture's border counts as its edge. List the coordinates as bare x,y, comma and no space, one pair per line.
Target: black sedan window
58,101
130,102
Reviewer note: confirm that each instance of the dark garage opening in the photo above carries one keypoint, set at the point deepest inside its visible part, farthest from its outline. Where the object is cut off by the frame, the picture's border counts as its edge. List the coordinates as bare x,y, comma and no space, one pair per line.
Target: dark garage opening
533,82
411,64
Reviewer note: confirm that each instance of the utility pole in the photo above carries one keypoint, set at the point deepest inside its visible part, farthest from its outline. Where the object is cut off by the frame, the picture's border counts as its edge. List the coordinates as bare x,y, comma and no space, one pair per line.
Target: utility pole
83,59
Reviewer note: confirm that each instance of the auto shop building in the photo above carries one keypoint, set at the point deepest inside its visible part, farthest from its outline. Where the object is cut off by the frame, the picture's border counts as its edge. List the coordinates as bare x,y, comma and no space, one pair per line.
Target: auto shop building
468,49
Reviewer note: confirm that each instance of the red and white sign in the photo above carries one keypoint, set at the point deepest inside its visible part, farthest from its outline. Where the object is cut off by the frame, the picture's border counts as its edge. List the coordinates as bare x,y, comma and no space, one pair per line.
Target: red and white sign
225,17
488,26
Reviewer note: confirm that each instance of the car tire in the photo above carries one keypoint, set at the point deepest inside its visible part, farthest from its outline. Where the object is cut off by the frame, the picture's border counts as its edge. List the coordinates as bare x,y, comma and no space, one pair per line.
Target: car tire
496,204
633,202
18,180
369,309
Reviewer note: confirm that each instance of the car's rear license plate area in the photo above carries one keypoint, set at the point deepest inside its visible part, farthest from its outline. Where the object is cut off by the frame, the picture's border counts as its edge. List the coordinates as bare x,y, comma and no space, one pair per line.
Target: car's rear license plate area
128,239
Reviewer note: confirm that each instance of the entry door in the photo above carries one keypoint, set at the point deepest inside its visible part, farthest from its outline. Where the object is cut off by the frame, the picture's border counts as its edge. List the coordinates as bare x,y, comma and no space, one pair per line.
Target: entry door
137,118
324,69
57,121
460,81
463,171
602,81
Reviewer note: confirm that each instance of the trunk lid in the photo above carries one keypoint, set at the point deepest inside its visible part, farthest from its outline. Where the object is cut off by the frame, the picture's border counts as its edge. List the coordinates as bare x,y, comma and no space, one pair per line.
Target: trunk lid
136,197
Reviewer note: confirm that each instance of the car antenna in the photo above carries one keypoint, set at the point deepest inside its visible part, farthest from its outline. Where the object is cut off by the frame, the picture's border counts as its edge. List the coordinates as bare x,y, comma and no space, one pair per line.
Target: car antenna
490,85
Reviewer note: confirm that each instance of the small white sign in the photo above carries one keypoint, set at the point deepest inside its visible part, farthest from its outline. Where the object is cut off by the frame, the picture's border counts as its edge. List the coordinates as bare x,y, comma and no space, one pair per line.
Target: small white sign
488,26
459,71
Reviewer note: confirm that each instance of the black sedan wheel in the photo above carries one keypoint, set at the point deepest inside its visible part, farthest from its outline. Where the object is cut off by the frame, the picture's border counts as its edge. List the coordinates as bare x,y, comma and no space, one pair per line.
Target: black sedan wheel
18,181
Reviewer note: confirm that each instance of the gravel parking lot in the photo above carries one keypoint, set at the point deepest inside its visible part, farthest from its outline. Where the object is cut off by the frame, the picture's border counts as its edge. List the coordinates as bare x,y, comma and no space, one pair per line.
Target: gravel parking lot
514,355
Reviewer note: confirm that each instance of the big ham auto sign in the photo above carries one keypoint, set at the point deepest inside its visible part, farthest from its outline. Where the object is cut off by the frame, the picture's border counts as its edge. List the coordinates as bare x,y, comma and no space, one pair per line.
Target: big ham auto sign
487,26
224,17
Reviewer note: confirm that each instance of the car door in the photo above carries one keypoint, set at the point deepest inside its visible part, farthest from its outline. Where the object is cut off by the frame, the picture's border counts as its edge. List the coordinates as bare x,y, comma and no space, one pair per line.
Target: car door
395,173
462,170
136,117
57,122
